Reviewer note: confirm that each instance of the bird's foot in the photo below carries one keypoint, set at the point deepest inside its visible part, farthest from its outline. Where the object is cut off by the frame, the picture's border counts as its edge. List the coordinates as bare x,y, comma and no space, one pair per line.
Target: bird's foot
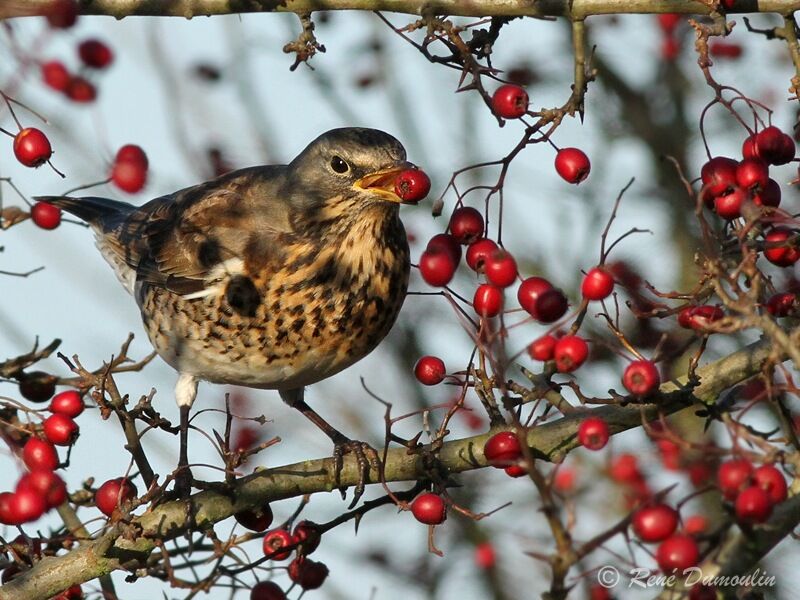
366,458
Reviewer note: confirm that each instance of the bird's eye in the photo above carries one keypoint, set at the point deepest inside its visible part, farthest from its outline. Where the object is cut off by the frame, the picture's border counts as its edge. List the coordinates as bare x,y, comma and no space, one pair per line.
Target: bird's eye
339,165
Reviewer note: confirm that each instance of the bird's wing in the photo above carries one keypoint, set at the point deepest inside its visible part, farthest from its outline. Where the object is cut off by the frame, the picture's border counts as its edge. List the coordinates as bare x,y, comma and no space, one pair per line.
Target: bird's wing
190,241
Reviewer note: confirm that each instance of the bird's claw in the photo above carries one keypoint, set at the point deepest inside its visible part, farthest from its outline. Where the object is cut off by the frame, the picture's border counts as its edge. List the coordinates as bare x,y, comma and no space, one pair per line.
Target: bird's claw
366,458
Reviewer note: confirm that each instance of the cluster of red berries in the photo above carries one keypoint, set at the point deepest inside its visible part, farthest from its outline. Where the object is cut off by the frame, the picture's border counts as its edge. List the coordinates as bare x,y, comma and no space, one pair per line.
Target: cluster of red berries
41,489
567,352
753,491
129,169
504,451
94,56
278,544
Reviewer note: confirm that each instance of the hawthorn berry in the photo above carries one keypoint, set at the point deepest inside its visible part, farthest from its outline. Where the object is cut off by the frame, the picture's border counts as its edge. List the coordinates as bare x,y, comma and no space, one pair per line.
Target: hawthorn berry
81,90
570,352
516,471
307,535
695,525
37,386
500,268
255,520
542,348
774,146
784,255
31,147
488,300
770,196
699,317
677,553
429,508
61,14
308,574
752,173
477,253
669,21
771,480
45,215
445,241
25,505
55,75
782,304
60,429
267,590
728,205
67,403
550,306
5,508
430,370
753,505
39,454
437,267
530,290
502,449
749,148
412,185
47,484
734,475
114,493
278,544
95,54
721,49
132,153
624,468
655,523
718,174
573,165
510,101
598,284
466,225
73,593
129,174
641,377
485,555
593,433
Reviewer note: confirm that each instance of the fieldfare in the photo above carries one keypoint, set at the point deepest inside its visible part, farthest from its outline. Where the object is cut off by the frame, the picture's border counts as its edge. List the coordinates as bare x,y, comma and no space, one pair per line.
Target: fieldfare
271,277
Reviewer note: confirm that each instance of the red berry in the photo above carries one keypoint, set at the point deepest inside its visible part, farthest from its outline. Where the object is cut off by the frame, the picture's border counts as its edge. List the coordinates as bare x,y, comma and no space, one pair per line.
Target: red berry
466,225
61,14
770,479
752,173
695,525
437,267
733,475
502,449
500,268
700,317
129,175
73,593
37,386
38,454
753,505
267,590
784,255
445,241
307,536
60,430
564,479
722,49
430,370
670,48
412,185
749,148
529,292
770,196
25,505
677,553
572,164
669,21
276,543
488,300
641,377
132,153
81,90
782,304
67,403
45,483
570,353
429,508
46,215
550,306
728,205
516,471
655,523
255,519
625,469
598,284
95,54
485,555
308,574
31,147
593,433
774,146
542,348
55,75
114,493
477,253
5,508
510,101
719,174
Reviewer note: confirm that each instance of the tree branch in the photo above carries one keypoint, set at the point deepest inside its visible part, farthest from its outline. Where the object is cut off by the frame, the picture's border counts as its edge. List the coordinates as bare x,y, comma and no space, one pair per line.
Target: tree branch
575,9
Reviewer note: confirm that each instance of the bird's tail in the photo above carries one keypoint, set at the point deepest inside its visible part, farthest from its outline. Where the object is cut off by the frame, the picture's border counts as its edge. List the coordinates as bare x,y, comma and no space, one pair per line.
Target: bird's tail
100,212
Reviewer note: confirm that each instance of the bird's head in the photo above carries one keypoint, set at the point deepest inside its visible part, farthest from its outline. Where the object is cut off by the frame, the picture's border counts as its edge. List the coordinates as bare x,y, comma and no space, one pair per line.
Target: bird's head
348,166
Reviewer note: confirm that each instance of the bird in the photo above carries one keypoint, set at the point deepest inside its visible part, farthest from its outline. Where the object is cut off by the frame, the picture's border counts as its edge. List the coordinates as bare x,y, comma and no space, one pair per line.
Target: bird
271,277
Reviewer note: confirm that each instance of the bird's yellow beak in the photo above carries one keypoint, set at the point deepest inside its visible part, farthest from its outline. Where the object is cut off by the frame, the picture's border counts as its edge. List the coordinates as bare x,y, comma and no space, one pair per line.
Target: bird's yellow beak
382,182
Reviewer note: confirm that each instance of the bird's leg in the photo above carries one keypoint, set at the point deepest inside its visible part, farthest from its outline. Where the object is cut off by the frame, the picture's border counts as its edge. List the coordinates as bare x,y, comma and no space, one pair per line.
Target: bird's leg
365,454
185,393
